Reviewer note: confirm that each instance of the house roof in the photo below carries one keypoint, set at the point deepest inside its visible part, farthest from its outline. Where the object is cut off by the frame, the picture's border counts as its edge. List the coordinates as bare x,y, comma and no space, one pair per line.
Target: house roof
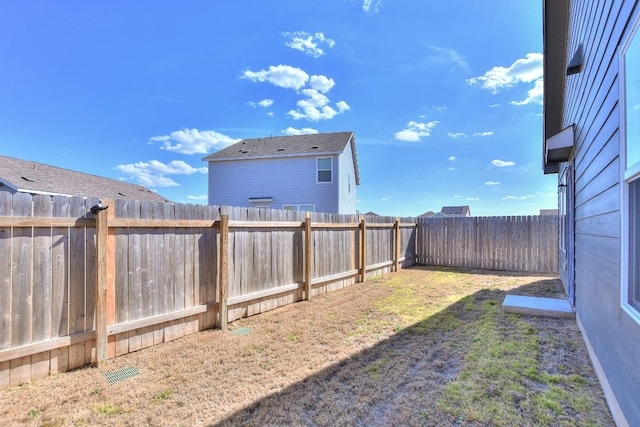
289,146
555,30
427,214
456,210
38,178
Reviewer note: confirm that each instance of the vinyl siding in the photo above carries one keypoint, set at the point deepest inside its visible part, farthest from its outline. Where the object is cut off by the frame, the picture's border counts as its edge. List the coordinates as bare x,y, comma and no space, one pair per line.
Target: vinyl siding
289,180
347,198
592,104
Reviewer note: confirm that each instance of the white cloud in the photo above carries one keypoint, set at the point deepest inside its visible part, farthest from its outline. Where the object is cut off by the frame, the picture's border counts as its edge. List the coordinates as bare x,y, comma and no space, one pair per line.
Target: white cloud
517,197
284,76
414,131
193,141
366,5
451,169
342,106
384,199
448,56
321,83
303,131
308,43
264,103
494,105
457,135
200,197
483,133
452,158
316,107
154,173
534,95
492,183
472,198
524,70
501,163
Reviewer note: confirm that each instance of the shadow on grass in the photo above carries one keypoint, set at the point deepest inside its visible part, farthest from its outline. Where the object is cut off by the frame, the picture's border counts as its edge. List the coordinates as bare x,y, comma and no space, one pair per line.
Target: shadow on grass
468,364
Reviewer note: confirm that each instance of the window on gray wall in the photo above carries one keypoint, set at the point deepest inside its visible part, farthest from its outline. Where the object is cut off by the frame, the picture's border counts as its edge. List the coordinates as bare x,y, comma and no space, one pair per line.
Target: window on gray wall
324,169
630,157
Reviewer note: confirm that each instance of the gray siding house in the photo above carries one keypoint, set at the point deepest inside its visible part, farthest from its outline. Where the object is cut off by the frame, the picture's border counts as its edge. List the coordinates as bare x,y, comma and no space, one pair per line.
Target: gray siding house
317,172
592,141
23,176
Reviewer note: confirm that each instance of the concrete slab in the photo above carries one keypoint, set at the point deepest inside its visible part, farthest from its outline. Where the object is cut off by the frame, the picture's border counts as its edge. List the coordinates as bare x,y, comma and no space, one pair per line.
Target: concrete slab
538,306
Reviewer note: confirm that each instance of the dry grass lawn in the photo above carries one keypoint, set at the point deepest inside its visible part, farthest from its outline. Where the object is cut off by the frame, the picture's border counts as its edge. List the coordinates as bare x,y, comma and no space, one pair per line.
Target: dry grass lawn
424,346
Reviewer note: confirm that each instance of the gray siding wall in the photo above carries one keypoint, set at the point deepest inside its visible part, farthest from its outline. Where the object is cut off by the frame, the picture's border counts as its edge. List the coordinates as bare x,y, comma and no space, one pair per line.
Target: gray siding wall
347,183
591,102
289,180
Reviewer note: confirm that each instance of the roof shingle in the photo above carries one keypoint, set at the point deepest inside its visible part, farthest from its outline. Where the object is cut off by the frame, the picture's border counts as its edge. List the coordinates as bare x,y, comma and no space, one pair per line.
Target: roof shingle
32,177
288,146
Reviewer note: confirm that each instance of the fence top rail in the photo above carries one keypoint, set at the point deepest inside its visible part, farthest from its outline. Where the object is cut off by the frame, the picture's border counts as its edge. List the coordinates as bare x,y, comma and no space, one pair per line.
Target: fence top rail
11,221
179,223
160,223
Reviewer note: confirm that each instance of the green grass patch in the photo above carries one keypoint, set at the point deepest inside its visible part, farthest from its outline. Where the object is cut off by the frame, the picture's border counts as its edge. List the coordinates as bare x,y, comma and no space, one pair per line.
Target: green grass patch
501,383
292,337
163,395
107,408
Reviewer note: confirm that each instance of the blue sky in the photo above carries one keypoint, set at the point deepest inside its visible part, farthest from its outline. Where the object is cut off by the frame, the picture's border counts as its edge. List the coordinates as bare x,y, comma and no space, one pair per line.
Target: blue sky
444,96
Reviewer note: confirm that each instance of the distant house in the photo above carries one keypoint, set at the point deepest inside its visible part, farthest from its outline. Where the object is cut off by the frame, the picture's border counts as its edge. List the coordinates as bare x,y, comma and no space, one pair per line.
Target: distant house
545,212
456,211
317,172
427,214
592,141
447,212
23,176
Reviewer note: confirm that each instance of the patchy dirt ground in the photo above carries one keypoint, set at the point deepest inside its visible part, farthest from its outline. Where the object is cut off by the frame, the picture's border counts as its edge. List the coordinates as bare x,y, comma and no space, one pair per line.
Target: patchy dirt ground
424,346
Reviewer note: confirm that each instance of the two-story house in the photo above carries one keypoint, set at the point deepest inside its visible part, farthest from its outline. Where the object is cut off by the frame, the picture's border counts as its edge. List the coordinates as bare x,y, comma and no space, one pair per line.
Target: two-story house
316,172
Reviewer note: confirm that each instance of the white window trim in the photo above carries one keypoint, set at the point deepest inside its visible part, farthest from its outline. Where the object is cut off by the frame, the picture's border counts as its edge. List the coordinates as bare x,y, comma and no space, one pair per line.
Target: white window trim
626,175
297,206
318,170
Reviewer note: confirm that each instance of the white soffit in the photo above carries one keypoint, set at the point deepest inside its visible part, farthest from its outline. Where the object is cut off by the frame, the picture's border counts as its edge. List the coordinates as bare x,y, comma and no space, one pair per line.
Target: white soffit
560,146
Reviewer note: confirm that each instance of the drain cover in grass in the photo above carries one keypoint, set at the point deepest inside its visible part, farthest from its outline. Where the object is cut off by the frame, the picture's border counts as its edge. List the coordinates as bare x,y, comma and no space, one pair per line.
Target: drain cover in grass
241,331
121,375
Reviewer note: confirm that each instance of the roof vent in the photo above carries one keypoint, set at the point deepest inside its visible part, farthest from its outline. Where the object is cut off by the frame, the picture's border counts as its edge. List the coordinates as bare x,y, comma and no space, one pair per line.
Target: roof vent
27,179
123,195
314,147
280,149
244,151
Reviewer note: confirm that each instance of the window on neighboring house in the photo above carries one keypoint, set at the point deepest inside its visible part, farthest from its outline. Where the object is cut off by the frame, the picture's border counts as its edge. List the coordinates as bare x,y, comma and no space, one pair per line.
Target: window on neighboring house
630,160
324,166
302,208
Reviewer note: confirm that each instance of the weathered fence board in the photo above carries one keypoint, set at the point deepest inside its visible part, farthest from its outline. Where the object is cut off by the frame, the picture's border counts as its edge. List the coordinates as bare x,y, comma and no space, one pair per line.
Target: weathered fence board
515,243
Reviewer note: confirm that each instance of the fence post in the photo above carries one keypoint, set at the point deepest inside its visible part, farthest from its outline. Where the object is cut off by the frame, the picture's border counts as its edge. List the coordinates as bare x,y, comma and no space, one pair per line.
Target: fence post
223,271
308,254
102,288
396,244
362,249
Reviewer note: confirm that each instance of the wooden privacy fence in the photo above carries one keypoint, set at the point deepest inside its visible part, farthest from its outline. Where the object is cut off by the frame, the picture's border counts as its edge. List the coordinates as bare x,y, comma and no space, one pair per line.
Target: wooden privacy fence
78,288
512,243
